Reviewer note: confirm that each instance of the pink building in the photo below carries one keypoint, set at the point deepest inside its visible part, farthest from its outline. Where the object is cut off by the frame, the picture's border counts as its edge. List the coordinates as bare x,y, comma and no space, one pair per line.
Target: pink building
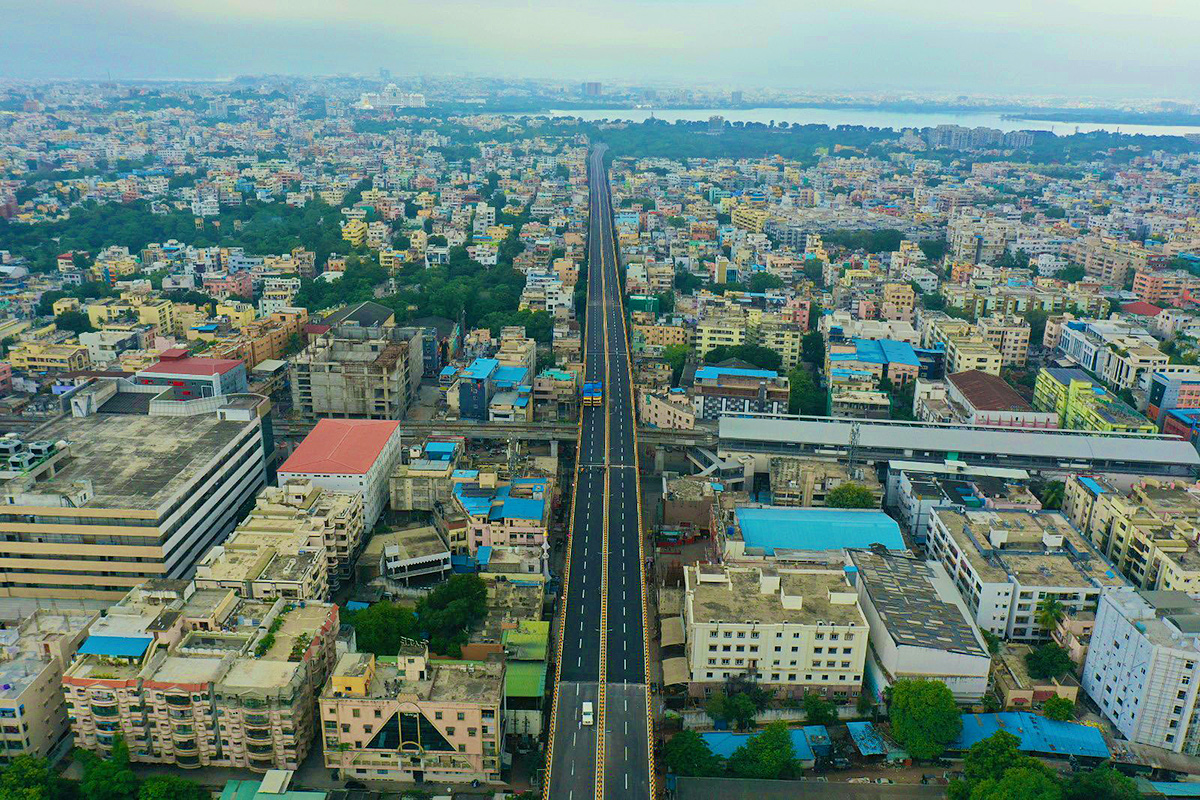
797,311
5,379
226,284
516,515
409,718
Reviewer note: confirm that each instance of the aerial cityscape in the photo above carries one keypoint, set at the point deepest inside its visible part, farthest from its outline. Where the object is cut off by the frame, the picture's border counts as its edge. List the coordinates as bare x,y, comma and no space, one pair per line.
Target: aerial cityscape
413,423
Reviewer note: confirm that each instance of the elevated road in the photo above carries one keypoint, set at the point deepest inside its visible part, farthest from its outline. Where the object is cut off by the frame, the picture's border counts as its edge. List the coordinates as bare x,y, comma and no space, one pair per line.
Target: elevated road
602,641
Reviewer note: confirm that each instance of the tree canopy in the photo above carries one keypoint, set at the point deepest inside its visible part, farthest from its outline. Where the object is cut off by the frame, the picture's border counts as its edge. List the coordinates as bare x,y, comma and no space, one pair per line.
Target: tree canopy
761,357
851,495
1048,661
687,754
766,756
1058,708
924,717
995,768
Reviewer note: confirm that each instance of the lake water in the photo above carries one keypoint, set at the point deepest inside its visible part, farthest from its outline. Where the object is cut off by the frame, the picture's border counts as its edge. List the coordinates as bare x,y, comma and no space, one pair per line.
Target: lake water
872,118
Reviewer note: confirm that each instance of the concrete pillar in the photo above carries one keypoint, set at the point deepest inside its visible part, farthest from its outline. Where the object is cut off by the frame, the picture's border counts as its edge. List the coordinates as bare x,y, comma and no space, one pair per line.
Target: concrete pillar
659,460
554,448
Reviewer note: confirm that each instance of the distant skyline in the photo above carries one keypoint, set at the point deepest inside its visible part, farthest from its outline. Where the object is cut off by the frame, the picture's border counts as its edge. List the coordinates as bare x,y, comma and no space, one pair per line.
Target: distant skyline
1105,48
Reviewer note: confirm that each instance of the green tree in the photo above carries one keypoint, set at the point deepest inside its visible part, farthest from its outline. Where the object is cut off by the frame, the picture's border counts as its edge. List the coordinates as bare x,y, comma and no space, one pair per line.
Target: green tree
741,710
761,357
1051,495
688,754
763,281
818,710
379,627
851,495
1022,783
448,613
109,778
1072,273
73,321
924,717
171,787
933,249
1048,661
666,302
717,707
803,395
1049,613
766,756
29,778
676,355
812,349
1102,783
1058,708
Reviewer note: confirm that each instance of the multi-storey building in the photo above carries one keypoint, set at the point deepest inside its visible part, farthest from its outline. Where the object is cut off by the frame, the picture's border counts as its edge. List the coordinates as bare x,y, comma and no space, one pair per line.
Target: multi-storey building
723,390
1083,405
410,718
1009,336
155,311
1164,287
514,514
1116,351
348,456
668,409
790,631
1149,533
1109,260
1172,390
129,496
33,654
48,357
1143,667
202,678
1004,563
352,371
426,481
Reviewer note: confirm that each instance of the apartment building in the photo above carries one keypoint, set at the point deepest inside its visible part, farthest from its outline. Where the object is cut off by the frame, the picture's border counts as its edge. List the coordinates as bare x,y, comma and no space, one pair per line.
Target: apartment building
514,514
1172,390
348,456
887,359
1009,336
410,718
1118,352
658,336
155,311
202,678
748,218
426,481
1004,563
717,391
670,409
919,627
38,356
353,371
1143,667
805,482
1083,405
1149,533
1164,287
297,542
1109,260
790,631
976,239
726,331
34,651
130,496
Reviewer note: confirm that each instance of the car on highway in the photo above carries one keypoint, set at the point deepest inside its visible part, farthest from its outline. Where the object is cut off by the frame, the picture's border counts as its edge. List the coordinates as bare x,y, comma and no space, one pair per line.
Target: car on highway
587,717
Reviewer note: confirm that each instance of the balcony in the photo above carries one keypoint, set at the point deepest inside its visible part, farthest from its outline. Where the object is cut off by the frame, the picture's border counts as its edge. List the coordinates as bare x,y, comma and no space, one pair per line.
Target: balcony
185,745
106,711
256,720
259,734
179,701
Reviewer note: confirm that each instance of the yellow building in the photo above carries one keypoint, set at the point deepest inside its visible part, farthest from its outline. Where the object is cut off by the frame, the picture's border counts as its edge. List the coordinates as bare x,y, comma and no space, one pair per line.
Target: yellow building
1009,336
65,304
1082,404
156,311
240,314
717,332
355,232
749,219
43,357
1148,533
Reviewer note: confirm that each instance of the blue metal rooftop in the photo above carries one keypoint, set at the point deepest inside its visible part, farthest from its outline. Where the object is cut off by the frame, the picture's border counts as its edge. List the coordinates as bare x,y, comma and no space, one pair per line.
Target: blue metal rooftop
481,369
1037,734
772,527
116,646
712,373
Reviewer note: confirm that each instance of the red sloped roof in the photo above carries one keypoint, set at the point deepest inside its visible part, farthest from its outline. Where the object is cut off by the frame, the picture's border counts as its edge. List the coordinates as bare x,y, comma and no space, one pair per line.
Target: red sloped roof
1142,309
340,446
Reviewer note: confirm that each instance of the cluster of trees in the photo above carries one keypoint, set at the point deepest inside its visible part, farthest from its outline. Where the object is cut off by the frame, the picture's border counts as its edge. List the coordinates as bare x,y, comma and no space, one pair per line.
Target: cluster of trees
768,755
738,707
30,778
995,769
444,618
1048,661
804,396
851,495
259,227
884,241
761,357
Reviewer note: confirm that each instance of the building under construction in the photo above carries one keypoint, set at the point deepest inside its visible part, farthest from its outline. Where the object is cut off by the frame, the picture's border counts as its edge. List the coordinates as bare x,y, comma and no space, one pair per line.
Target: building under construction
354,371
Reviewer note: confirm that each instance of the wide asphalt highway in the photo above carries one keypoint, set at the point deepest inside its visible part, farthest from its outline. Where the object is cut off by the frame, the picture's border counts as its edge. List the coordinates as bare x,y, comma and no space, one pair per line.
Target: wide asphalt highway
602,646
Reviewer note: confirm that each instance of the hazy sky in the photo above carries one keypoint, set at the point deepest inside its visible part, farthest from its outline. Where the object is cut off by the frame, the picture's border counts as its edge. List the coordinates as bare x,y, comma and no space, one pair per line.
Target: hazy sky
1105,47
